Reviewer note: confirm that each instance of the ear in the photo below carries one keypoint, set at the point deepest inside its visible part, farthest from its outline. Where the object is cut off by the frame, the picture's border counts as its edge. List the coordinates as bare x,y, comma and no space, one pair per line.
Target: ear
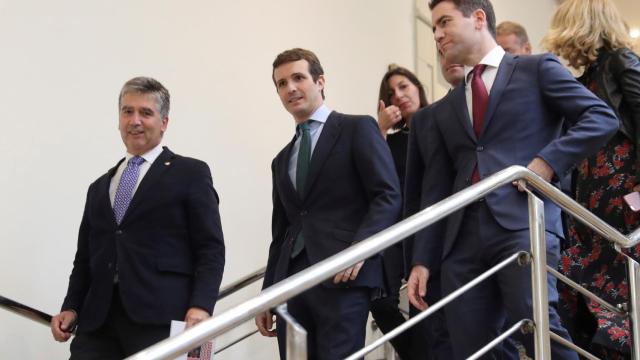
479,18
320,82
165,122
527,48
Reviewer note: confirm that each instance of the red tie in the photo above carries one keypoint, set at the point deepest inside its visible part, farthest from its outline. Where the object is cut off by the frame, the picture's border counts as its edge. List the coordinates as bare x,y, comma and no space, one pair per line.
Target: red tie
480,100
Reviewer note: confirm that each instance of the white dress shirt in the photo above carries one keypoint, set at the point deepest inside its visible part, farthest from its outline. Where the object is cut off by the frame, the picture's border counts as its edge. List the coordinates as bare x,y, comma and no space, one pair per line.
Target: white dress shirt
149,157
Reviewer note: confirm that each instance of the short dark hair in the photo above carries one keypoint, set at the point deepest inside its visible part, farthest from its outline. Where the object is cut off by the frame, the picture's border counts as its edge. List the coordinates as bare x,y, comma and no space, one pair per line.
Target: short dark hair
467,7
147,85
296,54
510,27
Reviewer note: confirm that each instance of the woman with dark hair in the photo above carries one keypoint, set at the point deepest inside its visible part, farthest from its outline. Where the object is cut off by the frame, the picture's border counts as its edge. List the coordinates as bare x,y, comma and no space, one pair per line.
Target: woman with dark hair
591,35
401,95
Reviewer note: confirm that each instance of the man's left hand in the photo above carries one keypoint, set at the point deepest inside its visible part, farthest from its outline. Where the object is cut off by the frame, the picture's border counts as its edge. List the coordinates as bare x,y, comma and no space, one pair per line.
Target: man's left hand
541,168
195,315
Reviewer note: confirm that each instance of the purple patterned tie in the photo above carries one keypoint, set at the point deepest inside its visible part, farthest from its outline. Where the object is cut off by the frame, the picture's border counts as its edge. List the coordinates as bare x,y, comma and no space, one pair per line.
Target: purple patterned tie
124,193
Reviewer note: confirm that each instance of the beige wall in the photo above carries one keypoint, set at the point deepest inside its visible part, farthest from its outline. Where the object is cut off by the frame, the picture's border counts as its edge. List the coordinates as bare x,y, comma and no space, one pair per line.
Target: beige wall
63,65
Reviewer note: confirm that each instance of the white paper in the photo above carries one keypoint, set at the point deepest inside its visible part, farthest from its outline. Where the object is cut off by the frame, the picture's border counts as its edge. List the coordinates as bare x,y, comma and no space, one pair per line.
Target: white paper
204,352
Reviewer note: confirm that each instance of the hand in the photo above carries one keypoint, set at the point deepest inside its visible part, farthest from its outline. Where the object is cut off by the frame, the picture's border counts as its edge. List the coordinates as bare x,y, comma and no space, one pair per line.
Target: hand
387,117
349,274
62,325
541,168
417,287
195,315
264,322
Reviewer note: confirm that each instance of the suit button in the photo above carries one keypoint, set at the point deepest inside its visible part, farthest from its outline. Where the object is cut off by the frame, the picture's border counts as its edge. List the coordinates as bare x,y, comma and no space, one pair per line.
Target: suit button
303,213
118,232
110,265
480,148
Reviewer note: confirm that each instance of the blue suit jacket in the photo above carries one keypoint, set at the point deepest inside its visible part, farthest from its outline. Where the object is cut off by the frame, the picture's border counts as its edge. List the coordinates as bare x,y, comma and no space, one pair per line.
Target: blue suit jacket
169,248
352,192
528,101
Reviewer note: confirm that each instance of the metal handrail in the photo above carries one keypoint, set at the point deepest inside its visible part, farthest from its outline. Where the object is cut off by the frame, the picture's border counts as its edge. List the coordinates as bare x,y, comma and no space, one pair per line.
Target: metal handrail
25,311
45,319
241,283
521,257
296,284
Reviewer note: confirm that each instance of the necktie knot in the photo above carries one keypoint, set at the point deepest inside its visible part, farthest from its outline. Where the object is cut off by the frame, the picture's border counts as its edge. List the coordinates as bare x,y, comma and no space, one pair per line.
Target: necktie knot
478,70
136,161
305,126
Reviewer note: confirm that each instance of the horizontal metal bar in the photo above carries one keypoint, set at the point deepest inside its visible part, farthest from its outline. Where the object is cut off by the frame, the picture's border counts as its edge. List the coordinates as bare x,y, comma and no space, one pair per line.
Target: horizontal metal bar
555,337
25,311
485,349
435,307
584,291
281,292
241,283
242,338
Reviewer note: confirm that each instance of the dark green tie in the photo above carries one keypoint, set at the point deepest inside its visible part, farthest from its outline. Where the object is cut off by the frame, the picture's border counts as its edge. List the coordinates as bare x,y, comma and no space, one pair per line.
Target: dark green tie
302,170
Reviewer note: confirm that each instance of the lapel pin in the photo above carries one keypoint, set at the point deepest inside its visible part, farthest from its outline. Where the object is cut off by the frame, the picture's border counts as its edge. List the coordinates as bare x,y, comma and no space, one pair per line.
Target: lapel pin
167,163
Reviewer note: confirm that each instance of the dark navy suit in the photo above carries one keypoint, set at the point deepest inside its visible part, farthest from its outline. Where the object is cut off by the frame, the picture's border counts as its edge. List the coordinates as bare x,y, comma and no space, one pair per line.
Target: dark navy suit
168,249
351,193
528,101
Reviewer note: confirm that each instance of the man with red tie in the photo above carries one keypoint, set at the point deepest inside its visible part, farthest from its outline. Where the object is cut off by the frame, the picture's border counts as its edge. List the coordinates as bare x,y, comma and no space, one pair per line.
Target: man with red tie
508,111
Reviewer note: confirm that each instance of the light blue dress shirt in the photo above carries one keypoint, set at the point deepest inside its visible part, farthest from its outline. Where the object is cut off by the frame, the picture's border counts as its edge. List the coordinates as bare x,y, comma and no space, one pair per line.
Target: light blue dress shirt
319,117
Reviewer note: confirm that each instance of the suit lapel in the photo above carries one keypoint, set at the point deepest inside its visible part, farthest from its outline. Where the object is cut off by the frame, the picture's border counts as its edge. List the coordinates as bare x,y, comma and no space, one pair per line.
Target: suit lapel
502,79
459,103
159,166
103,197
282,168
325,143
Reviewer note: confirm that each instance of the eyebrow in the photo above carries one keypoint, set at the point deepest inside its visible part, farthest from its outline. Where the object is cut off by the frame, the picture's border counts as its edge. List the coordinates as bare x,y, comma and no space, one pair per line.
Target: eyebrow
438,21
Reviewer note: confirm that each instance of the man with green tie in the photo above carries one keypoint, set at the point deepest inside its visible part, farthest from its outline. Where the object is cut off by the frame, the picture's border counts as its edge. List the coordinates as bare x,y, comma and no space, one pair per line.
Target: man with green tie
334,184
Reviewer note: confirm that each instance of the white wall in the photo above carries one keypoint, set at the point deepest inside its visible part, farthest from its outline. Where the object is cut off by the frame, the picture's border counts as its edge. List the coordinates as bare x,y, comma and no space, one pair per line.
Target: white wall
63,63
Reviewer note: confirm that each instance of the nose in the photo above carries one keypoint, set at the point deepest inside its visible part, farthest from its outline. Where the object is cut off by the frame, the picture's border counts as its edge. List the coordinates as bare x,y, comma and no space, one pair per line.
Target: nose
135,119
438,34
291,88
395,95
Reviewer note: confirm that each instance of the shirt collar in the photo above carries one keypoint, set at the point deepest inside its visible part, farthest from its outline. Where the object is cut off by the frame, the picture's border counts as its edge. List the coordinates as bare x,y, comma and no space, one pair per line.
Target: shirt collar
320,115
149,157
492,59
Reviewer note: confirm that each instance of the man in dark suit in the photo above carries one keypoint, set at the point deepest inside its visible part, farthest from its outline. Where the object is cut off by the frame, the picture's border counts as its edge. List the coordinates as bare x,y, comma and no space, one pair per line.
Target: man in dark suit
150,246
508,112
334,184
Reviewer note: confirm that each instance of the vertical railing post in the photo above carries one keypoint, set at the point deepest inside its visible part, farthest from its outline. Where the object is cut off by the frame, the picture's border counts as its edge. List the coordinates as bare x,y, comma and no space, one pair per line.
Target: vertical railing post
296,335
633,269
539,279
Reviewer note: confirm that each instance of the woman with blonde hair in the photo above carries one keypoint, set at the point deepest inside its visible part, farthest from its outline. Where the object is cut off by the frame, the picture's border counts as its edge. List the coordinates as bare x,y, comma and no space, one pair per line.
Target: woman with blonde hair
592,36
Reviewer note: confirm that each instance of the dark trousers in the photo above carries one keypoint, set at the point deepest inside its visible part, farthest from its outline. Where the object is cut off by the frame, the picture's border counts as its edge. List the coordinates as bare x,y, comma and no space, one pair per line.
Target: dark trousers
479,315
118,337
430,337
335,318
385,310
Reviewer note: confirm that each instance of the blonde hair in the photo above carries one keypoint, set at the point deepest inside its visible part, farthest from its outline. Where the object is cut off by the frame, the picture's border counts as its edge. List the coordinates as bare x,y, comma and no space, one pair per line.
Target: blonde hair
580,27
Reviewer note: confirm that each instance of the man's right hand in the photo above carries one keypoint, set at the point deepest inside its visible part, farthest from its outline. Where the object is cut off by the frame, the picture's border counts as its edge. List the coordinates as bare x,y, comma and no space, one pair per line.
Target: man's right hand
417,287
62,325
388,117
264,322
